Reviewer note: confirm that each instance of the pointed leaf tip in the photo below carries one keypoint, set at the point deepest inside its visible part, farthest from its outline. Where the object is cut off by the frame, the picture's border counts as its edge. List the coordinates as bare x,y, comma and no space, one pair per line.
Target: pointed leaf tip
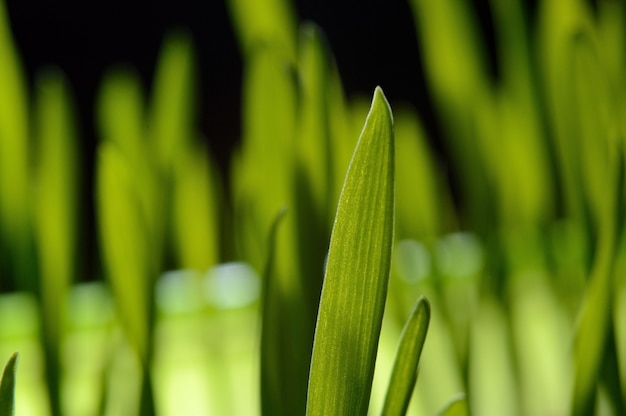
7,387
404,374
357,274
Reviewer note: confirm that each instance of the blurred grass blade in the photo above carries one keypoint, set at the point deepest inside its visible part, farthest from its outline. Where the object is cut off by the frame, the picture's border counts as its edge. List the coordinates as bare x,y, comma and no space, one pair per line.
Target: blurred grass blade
491,368
272,362
404,373
196,210
55,217
420,202
124,243
14,162
357,274
172,110
262,169
456,407
601,167
7,387
265,22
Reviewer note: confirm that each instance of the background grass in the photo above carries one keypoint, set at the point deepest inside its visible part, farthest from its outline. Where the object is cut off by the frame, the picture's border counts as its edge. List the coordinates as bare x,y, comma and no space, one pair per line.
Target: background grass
517,241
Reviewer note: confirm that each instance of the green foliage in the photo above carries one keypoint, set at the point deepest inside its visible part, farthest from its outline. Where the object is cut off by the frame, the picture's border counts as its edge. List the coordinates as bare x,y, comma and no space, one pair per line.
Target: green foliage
7,387
513,230
357,273
404,372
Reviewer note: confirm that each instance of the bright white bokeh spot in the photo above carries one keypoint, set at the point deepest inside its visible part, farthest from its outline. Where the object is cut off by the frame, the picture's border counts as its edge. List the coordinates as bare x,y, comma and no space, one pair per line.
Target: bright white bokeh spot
231,285
179,292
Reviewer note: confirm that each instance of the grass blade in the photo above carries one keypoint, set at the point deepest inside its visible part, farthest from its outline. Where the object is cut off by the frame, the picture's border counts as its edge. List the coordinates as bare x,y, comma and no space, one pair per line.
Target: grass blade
14,162
55,218
357,274
456,407
7,388
272,392
265,22
404,373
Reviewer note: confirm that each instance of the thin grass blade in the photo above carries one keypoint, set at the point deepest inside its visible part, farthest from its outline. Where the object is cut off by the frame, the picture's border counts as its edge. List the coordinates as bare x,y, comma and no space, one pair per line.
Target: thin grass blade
272,392
55,217
404,373
7,387
357,274
14,163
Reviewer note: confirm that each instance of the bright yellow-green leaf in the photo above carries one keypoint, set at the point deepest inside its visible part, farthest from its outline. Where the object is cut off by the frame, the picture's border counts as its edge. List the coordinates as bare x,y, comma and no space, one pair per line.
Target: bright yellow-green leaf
57,175
14,155
195,210
263,167
55,216
420,199
122,121
491,372
172,111
7,387
456,407
314,166
404,373
357,274
124,242
265,23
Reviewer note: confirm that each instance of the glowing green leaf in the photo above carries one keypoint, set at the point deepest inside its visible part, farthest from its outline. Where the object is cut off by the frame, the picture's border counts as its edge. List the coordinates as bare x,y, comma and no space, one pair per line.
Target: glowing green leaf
404,373
357,274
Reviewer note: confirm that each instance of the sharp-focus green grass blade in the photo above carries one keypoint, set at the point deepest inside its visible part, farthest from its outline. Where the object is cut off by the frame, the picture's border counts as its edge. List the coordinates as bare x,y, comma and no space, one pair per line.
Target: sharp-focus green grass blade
265,22
404,373
456,407
7,387
172,111
196,210
14,161
357,274
55,216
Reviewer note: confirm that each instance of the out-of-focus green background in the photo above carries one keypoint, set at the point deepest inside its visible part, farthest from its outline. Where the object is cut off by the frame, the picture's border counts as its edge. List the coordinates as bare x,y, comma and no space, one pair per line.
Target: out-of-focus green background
141,170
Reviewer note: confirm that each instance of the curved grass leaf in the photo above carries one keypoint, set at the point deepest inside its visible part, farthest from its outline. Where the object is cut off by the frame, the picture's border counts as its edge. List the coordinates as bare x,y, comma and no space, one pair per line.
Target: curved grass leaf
404,373
357,274
456,407
7,387
272,365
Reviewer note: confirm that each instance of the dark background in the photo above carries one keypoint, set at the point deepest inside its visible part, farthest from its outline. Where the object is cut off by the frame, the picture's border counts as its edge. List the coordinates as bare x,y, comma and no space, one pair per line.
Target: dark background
374,43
